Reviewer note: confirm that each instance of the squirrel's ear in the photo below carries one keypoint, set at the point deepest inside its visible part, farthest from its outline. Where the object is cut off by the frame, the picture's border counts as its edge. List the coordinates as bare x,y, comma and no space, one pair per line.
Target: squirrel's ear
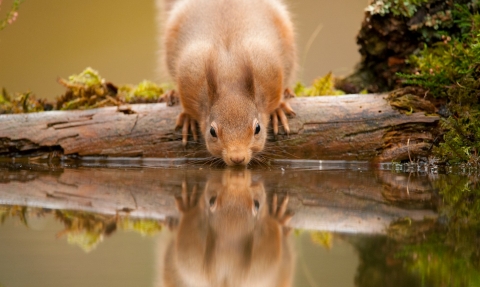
248,78
211,75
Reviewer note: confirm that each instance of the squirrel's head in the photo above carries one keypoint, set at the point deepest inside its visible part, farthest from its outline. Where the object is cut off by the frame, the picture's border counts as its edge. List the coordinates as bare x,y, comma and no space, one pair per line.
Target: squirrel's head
234,204
236,127
236,132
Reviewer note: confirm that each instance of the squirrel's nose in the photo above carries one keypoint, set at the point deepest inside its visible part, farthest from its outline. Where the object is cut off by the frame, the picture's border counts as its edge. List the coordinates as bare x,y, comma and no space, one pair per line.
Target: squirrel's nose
237,160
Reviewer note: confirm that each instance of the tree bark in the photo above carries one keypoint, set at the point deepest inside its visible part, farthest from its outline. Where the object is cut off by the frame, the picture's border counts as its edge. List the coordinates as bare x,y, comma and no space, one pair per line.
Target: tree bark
386,41
349,127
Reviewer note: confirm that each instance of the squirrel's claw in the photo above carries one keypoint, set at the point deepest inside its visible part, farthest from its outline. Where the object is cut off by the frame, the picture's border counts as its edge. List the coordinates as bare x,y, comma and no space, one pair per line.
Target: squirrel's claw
186,123
186,201
170,97
280,114
281,213
193,129
288,94
183,121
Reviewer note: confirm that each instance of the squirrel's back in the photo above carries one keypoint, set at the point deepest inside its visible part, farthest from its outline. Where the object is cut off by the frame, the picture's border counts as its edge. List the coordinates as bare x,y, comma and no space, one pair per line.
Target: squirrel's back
232,62
229,24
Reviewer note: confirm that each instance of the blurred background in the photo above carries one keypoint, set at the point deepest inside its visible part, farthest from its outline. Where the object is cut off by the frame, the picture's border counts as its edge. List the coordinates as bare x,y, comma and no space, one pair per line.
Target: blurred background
57,38
120,39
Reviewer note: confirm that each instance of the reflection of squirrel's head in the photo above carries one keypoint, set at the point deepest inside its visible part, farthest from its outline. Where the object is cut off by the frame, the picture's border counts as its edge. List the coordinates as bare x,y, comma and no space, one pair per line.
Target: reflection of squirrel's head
228,238
234,204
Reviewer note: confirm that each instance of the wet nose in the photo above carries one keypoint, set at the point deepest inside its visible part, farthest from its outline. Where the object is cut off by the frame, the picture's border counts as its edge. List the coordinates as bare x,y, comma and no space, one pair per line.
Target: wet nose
237,159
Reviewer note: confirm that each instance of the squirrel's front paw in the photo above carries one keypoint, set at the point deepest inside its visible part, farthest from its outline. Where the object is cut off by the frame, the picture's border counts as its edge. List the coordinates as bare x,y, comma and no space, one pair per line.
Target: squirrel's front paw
280,114
170,97
280,212
185,202
185,122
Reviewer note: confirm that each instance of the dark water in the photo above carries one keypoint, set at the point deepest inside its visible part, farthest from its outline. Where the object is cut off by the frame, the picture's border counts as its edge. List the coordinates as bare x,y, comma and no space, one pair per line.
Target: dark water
179,223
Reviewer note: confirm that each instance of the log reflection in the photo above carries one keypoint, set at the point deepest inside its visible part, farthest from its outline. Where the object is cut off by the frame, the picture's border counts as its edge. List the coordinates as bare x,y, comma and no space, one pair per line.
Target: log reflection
229,234
351,201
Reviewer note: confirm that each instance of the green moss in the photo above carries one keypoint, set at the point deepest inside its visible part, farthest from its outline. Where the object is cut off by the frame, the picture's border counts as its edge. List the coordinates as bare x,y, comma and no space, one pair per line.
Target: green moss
87,229
11,15
85,239
86,90
405,8
446,252
145,92
461,198
322,86
322,238
450,69
7,211
146,227
407,102
89,90
441,264
410,9
22,103
84,229
87,79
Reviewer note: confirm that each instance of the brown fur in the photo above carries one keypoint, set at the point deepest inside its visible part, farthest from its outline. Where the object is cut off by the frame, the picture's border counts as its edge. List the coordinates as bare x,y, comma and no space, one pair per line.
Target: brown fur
229,242
231,61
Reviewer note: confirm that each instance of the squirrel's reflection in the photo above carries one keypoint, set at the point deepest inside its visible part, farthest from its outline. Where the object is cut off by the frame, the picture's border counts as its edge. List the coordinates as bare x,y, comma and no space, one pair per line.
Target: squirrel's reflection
228,235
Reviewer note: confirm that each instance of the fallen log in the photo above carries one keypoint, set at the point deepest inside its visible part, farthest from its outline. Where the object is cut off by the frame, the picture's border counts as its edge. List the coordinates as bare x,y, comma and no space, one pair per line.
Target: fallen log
348,127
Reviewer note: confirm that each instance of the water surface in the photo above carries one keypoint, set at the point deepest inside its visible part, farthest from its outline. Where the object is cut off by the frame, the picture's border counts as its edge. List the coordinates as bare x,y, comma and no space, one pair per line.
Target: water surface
179,223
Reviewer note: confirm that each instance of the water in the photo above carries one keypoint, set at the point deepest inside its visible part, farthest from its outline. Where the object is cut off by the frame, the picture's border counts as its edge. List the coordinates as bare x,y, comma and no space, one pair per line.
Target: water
182,223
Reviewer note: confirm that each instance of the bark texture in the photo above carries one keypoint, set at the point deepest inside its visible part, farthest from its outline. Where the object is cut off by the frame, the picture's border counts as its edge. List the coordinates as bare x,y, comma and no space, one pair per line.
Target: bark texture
349,127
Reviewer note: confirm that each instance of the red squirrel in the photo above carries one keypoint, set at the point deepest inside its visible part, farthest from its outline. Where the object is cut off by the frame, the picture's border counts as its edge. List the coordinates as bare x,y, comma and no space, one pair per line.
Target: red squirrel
228,236
232,62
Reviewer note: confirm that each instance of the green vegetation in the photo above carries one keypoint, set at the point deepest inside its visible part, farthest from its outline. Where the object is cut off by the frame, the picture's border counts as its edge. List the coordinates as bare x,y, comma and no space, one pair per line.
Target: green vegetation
322,86
461,200
87,229
322,238
405,8
144,92
444,252
443,264
89,78
12,15
87,90
143,226
22,103
450,69
84,229
13,211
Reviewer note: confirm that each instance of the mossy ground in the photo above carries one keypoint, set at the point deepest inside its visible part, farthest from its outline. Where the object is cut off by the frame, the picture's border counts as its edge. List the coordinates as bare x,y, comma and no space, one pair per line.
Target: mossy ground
433,47
86,90
321,86
449,69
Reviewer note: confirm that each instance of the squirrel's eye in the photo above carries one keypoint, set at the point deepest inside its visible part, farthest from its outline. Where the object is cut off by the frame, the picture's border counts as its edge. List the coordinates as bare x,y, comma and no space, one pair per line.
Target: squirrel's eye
257,204
257,128
212,132
212,201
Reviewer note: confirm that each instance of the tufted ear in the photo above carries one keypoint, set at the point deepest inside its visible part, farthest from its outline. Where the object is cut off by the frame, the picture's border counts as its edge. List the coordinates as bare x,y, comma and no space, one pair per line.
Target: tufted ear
211,77
248,78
